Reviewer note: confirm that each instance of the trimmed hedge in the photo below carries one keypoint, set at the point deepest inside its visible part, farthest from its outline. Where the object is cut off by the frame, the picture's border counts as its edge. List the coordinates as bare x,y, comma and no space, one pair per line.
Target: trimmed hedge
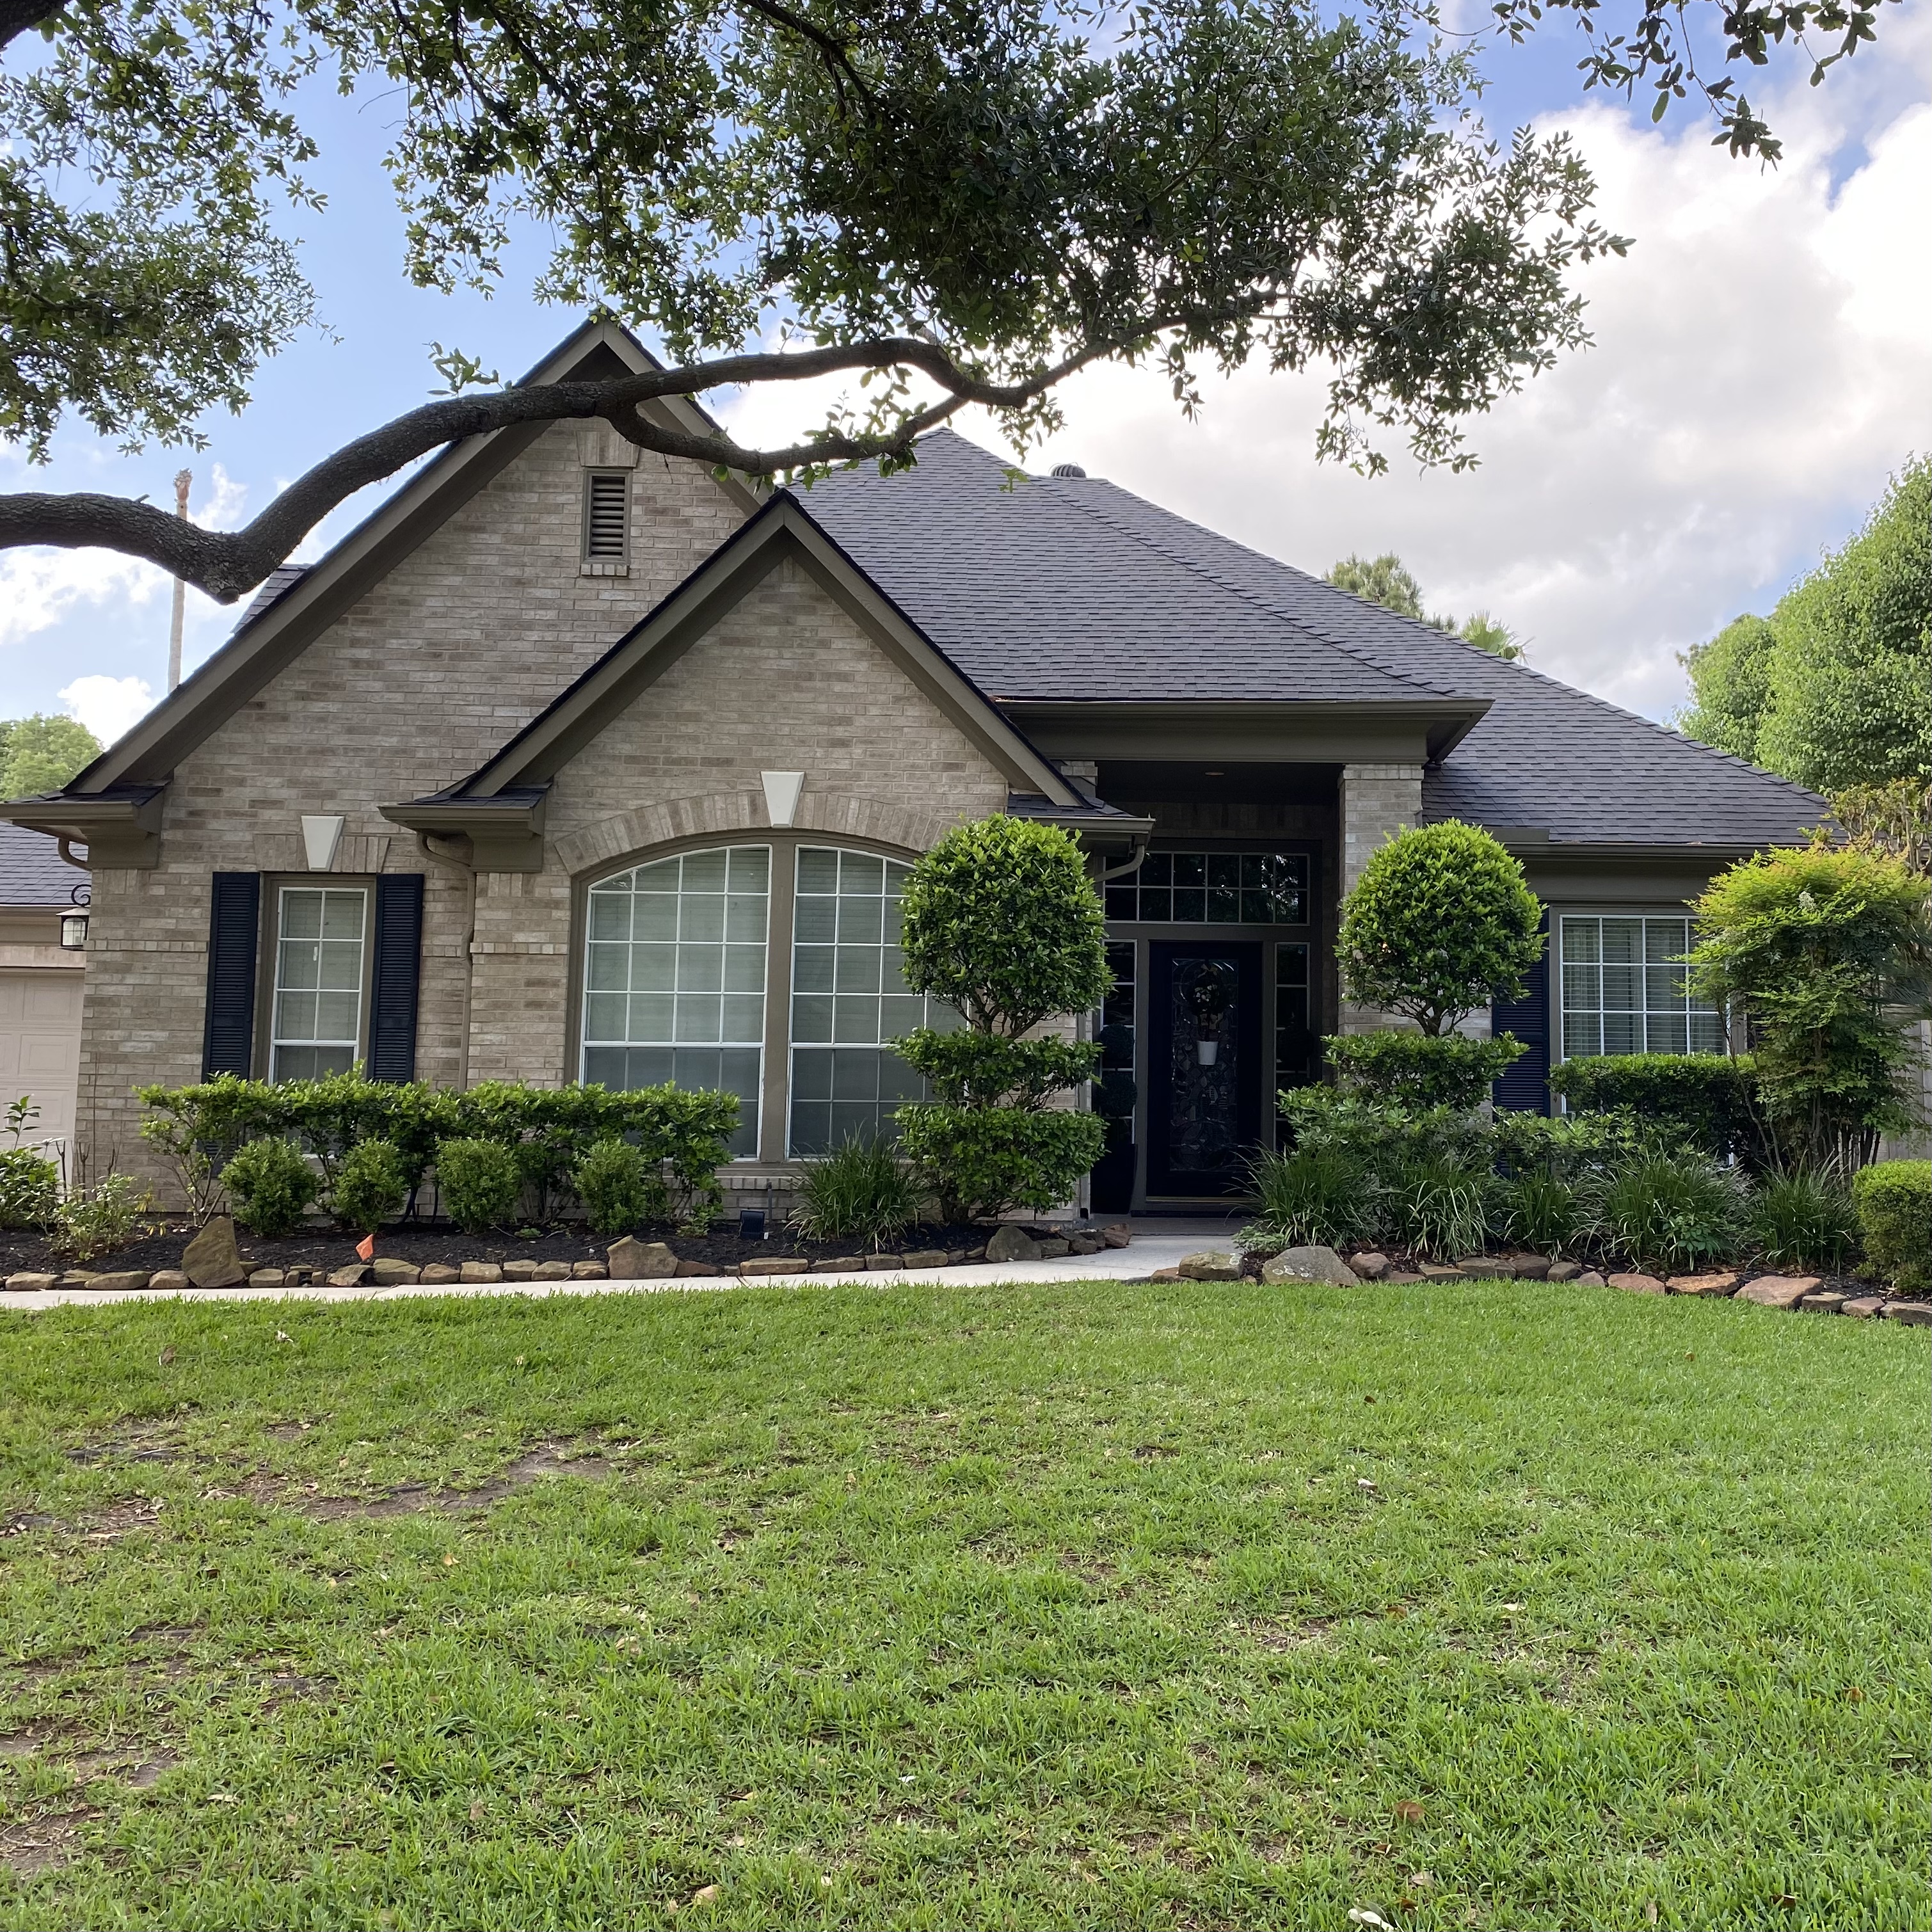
681,1135
1418,1070
1709,1100
981,1161
1893,1201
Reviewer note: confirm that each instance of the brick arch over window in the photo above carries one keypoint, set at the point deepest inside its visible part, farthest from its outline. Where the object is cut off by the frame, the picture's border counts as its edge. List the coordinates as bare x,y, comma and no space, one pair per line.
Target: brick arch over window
625,835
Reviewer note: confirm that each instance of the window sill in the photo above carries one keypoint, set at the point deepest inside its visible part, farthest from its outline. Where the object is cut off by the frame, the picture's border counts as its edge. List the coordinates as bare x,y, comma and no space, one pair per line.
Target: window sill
602,567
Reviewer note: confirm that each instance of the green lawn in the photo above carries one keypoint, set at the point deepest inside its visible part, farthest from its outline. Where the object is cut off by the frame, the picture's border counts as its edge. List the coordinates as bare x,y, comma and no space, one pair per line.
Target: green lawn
1503,1606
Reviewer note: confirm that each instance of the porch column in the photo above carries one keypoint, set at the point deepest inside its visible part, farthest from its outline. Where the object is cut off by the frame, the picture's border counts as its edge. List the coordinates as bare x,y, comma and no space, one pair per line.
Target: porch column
1378,801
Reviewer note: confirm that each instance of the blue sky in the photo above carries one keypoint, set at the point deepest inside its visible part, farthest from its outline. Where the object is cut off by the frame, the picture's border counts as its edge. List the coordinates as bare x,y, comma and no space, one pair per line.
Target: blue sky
1625,506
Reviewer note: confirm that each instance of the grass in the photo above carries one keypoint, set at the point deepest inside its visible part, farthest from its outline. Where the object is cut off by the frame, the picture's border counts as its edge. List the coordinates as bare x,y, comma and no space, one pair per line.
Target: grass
1501,1606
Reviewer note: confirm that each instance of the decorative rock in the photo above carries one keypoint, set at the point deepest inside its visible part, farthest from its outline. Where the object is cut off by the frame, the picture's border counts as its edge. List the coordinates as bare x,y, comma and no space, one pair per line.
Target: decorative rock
955,1257
1637,1284
212,1259
841,1264
1210,1265
389,1271
76,1278
1053,1248
592,1271
1310,1264
28,1282
1435,1271
1010,1242
974,1255
783,1264
1914,1314
1828,1302
1485,1267
1084,1244
877,1262
632,1260
352,1275
1590,1278
1721,1281
122,1281
552,1271
1532,1267
1365,1267
1117,1234
475,1272
1402,1278
267,1277
1164,1274
1780,1290
522,1270
1563,1271
439,1274
684,1268
1863,1307
926,1258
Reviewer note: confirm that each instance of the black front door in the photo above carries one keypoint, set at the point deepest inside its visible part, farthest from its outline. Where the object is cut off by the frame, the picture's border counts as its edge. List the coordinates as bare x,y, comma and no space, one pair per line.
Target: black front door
1203,1066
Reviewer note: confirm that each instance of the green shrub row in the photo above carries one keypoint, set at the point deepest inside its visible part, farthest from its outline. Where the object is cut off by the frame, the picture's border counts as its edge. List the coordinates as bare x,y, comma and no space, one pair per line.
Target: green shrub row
364,1147
1709,1100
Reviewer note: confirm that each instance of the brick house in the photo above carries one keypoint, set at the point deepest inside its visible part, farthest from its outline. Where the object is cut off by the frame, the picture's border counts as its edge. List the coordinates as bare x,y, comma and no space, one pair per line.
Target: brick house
573,762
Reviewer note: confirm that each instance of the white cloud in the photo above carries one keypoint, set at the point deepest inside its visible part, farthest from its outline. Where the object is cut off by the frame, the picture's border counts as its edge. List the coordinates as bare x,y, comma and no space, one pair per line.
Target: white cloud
110,707
41,588
1762,363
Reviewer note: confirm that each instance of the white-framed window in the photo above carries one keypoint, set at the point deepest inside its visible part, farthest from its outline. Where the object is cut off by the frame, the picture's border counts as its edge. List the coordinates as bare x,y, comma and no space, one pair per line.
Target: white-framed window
848,998
321,942
674,978
1623,990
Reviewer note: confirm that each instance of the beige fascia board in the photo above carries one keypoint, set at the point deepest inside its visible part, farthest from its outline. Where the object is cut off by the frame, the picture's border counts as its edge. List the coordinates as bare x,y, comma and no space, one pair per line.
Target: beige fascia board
695,609
1567,874
1256,732
241,668
119,833
503,836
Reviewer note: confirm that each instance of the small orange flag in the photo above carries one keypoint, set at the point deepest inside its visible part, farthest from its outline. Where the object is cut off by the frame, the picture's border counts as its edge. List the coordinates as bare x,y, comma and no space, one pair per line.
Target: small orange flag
366,1247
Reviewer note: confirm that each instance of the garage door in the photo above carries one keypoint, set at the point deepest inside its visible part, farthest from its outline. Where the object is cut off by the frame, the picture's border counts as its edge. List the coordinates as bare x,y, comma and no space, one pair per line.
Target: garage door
39,1044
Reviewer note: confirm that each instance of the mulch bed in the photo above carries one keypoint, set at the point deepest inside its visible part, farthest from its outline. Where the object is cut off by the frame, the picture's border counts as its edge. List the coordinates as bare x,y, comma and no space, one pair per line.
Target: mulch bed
423,1242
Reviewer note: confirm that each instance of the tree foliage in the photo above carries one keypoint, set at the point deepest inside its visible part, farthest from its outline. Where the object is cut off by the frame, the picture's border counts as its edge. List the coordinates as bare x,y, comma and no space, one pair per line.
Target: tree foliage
1385,579
1834,689
1829,951
1441,923
41,753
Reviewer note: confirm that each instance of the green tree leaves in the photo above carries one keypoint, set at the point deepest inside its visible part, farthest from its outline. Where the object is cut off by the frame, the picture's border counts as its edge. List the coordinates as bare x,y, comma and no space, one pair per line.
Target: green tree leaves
1384,579
42,752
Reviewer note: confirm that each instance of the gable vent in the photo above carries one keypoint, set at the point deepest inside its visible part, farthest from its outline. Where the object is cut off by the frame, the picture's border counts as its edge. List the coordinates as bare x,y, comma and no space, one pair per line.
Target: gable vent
606,516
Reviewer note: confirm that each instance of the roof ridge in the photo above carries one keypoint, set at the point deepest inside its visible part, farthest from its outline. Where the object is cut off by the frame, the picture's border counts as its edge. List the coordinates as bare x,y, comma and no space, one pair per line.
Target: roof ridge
1234,590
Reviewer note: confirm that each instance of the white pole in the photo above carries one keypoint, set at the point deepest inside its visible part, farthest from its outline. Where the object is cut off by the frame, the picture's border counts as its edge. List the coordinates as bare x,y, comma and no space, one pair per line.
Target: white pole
182,480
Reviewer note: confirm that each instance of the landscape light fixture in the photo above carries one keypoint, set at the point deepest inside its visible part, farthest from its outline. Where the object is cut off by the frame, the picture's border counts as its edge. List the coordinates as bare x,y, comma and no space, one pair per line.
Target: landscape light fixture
73,930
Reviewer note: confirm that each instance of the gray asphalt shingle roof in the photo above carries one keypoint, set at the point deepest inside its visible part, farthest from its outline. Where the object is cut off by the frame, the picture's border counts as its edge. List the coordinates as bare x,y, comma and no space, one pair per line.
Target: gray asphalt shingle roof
32,872
1073,588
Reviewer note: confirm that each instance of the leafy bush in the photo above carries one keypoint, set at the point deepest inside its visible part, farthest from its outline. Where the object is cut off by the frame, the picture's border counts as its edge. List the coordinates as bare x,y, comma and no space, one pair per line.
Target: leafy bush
1311,1195
1441,923
479,1183
1579,1150
1800,1220
1439,1206
270,1186
1540,1212
1001,923
1672,1211
980,1161
862,1192
29,1188
1378,1139
96,1220
1709,1100
1893,1201
1420,1069
370,1186
618,1190
1830,951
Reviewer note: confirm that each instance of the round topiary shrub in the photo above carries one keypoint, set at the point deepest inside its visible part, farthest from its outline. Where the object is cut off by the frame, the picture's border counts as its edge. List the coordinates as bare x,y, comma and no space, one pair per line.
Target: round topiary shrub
1441,923
370,1186
1893,1201
270,1186
620,1189
478,1183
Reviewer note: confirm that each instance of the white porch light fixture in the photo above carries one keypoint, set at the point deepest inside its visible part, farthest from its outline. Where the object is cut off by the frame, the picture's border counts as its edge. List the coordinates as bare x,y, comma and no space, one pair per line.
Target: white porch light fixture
781,791
320,837
73,931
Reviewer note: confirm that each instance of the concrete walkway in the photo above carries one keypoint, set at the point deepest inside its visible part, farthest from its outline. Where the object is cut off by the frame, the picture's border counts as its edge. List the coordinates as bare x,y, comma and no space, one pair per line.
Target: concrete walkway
1158,1242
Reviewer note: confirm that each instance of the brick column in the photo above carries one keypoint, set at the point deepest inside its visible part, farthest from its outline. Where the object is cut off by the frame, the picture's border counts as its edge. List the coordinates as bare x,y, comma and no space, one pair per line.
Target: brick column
1378,801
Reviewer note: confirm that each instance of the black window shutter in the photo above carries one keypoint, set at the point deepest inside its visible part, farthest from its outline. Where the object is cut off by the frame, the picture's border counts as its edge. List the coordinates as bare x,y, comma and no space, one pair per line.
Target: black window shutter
396,977
1525,1086
234,932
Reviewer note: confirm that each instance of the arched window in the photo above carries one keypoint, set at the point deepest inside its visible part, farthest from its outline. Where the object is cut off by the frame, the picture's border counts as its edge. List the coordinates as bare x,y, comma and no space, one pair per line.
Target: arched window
849,996
674,977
